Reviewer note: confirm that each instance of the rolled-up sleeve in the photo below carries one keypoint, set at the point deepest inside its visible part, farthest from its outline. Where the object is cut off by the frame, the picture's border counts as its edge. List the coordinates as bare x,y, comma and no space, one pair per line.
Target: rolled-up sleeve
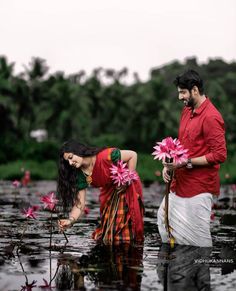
214,134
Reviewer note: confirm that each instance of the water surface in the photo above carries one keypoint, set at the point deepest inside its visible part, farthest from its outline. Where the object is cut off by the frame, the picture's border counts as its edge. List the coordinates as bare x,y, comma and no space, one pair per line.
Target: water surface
81,264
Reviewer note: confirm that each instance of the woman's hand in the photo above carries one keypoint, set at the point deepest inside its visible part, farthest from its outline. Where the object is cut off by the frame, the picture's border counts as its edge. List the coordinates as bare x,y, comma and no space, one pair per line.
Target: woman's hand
64,224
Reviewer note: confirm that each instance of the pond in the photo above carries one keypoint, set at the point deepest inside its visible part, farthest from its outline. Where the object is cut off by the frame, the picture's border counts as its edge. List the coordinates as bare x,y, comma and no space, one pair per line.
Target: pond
81,264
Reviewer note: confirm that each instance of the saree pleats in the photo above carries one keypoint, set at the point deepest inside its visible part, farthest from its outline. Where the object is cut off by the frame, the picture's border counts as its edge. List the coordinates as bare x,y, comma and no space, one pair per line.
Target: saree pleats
115,224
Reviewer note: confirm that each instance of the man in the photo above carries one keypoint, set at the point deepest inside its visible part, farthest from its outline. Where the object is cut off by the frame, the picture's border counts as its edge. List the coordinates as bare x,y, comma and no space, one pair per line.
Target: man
201,131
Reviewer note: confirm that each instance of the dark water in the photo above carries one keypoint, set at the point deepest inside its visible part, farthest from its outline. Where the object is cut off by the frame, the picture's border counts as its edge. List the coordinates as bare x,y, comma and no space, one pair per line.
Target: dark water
82,265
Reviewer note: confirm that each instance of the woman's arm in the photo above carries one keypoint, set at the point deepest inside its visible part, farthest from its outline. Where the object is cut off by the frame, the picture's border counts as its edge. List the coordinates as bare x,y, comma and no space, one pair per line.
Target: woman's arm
130,157
78,208
76,212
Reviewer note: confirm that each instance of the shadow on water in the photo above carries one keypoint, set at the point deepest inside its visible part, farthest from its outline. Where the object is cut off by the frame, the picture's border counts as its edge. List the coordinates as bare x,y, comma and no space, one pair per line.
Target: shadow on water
81,264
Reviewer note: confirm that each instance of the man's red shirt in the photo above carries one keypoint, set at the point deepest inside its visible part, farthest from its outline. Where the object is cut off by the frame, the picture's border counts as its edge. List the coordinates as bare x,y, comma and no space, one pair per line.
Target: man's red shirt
202,133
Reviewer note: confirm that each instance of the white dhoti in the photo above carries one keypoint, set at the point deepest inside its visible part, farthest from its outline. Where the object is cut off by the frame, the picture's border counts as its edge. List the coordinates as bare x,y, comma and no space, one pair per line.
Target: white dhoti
189,219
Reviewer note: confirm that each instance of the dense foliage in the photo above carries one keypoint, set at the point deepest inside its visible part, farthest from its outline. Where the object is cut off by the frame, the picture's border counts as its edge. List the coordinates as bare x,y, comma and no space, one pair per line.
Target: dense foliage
101,109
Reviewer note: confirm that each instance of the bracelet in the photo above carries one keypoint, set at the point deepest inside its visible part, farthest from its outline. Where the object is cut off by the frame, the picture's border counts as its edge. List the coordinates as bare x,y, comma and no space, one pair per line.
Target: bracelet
72,219
78,206
189,164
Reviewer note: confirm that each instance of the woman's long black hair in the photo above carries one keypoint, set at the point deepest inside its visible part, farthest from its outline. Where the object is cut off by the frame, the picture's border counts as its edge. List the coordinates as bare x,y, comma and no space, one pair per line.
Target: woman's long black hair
67,175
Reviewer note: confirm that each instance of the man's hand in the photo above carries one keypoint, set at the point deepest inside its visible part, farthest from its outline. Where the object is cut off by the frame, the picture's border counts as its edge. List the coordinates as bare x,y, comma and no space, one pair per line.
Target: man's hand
170,166
173,166
166,175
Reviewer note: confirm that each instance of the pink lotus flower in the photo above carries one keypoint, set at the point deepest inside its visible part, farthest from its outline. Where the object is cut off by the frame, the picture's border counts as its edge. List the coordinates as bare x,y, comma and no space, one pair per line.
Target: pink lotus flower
121,175
26,179
170,148
30,212
131,176
16,184
49,201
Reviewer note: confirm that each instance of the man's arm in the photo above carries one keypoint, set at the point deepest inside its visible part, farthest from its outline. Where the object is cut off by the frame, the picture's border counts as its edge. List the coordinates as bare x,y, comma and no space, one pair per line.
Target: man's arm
214,134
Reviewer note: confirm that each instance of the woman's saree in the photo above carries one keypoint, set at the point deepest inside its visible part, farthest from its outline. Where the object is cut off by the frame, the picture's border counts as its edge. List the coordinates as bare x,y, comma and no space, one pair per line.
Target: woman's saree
121,213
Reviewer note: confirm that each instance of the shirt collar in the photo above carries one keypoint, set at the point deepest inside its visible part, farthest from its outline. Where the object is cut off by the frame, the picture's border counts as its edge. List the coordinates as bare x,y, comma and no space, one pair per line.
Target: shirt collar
201,107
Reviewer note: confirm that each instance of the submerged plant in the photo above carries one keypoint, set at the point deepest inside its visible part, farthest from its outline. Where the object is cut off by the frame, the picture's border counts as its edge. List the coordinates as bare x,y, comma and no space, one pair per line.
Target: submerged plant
29,286
47,285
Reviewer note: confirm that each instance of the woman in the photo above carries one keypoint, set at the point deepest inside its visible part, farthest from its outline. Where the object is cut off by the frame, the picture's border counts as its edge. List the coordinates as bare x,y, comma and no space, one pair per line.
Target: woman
121,208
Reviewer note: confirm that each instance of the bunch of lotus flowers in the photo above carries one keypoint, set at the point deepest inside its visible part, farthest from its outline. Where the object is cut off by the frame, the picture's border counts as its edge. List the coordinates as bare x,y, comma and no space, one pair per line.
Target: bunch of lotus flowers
172,149
121,175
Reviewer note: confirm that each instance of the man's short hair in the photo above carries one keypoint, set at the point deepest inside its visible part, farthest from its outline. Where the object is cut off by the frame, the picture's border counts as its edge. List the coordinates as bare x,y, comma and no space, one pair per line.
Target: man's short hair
188,80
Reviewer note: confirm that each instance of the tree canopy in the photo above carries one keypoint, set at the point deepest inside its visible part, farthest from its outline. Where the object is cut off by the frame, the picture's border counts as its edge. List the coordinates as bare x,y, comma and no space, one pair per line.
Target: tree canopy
102,113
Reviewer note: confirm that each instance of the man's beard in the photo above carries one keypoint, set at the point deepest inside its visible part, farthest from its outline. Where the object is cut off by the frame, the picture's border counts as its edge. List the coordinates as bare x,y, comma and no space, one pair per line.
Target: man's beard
190,102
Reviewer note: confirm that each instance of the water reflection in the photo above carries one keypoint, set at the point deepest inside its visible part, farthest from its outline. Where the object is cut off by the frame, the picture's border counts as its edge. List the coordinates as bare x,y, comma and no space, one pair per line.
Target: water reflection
184,268
93,268
118,267
28,286
228,255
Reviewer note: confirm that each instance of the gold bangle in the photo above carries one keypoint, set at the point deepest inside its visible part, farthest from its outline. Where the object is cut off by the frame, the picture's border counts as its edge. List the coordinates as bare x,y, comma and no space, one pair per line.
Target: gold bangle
72,219
78,207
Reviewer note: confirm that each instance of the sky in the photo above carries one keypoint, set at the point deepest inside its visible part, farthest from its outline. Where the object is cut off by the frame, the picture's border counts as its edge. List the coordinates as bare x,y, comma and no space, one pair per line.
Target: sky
74,35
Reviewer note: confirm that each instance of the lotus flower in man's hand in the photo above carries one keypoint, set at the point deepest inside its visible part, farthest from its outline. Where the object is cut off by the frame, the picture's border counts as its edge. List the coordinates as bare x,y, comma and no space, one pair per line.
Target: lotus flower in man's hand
170,148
